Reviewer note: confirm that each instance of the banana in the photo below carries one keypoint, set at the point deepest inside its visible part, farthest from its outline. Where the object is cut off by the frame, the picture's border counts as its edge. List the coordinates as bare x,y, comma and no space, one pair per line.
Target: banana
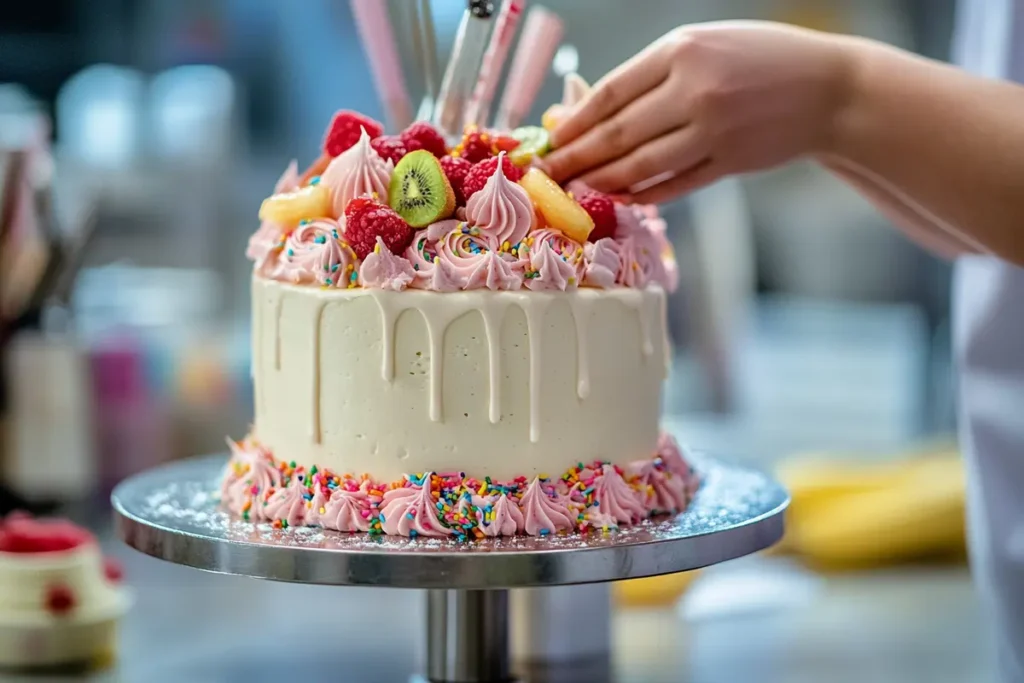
846,516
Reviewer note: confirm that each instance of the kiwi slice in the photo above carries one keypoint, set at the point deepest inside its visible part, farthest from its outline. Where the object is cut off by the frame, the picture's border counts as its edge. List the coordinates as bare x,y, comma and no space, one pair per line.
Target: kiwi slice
419,191
534,141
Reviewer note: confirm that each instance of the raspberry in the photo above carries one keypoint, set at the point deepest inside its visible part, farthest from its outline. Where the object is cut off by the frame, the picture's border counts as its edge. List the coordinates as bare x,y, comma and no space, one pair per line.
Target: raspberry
602,209
481,171
60,600
505,143
456,169
422,135
389,147
345,130
366,219
26,535
112,570
476,145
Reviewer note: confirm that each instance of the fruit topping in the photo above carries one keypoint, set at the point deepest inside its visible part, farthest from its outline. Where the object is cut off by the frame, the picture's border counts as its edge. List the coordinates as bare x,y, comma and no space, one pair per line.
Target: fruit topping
422,135
288,208
345,129
601,208
60,600
113,570
420,191
481,171
23,534
367,219
560,211
389,147
476,145
533,142
456,168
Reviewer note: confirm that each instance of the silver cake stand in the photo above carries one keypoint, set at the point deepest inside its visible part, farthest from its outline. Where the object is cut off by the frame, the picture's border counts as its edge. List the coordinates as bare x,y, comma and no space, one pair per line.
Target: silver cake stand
172,513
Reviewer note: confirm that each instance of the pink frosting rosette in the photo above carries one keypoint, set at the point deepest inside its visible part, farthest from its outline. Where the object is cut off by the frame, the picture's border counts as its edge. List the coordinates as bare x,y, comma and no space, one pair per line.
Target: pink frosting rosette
554,260
266,243
357,171
477,261
502,210
431,272
288,505
616,499
411,511
316,504
348,509
383,270
602,263
545,513
641,261
504,518
316,252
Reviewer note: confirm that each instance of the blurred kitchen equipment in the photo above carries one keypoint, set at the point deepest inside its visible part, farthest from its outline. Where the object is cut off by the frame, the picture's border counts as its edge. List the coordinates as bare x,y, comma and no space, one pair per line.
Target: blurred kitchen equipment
479,107
463,65
424,37
540,635
378,37
531,63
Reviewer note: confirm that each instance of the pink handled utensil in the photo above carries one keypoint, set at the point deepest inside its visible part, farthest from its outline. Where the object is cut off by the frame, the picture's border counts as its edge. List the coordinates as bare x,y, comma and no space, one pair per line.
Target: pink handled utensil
378,38
478,109
542,34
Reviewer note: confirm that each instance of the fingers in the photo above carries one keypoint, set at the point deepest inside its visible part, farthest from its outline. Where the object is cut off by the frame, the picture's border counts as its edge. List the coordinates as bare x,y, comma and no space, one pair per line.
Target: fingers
691,180
626,83
679,150
644,119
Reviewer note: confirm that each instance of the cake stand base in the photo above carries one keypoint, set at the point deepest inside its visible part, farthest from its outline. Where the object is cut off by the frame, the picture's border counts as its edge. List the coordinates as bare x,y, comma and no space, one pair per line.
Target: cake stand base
172,513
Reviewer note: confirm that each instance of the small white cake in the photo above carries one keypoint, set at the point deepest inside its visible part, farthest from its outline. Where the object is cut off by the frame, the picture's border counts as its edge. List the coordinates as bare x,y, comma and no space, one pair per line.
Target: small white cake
60,601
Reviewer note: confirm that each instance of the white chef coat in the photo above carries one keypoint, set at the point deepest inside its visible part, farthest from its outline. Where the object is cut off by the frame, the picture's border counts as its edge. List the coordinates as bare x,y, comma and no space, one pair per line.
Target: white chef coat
989,341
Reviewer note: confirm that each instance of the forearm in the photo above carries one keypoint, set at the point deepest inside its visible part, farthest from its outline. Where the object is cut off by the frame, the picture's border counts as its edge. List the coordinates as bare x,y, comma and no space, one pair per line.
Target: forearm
950,143
914,222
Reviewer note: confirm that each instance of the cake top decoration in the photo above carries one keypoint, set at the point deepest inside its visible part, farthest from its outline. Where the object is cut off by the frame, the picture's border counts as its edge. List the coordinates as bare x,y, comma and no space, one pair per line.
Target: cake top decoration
380,211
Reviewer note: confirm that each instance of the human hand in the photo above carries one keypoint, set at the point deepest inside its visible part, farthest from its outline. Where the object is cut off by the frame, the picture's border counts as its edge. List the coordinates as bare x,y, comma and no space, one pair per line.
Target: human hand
703,102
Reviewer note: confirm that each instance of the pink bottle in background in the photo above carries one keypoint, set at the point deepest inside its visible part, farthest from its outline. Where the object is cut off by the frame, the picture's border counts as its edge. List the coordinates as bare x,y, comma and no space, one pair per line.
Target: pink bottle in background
131,421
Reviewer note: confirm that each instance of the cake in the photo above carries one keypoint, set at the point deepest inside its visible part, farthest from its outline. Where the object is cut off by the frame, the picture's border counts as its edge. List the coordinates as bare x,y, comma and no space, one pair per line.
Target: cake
60,600
445,342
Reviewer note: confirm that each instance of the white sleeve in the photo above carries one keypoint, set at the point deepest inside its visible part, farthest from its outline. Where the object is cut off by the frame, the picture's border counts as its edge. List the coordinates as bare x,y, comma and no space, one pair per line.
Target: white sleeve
983,33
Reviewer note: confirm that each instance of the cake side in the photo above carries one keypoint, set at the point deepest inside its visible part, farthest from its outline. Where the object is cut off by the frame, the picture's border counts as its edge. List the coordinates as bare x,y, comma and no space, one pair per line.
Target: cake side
509,383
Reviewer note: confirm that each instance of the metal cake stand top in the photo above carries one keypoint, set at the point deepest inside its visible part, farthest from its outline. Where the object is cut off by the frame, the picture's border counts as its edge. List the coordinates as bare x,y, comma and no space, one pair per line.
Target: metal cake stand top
172,513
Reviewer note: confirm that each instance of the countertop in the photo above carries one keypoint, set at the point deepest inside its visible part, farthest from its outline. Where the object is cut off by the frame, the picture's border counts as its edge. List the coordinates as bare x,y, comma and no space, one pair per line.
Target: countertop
759,619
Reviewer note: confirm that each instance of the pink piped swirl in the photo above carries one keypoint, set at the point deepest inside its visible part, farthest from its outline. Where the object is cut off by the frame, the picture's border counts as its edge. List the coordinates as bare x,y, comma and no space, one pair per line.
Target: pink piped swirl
477,261
357,171
602,263
641,262
616,499
505,518
316,252
501,210
432,272
543,513
629,221
410,511
348,509
555,261
288,505
266,243
383,270
316,506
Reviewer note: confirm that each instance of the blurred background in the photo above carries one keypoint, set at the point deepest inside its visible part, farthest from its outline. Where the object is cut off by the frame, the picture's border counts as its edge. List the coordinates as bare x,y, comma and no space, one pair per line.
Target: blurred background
137,138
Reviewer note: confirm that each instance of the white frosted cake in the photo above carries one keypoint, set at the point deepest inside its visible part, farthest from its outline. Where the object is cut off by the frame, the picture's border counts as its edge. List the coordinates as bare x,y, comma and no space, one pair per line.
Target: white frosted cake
60,601
447,343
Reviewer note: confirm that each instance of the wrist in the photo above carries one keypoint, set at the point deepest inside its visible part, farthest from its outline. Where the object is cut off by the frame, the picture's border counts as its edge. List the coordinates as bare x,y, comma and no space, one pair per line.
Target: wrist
850,64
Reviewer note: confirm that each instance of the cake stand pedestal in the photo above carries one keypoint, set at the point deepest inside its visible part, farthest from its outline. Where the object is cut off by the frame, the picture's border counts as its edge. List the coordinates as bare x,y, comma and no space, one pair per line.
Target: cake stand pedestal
171,513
